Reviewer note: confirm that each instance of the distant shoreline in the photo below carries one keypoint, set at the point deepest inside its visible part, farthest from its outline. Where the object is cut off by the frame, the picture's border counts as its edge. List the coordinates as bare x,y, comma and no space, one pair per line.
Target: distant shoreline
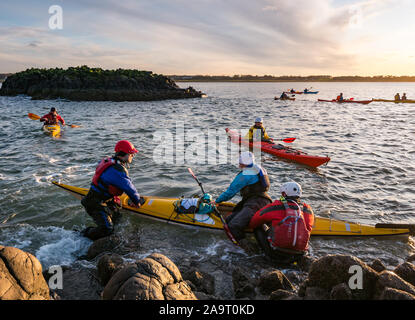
293,81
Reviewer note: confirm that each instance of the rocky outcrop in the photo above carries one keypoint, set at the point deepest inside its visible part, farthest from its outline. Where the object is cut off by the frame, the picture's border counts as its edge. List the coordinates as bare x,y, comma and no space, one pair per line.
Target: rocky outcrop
94,84
153,278
21,276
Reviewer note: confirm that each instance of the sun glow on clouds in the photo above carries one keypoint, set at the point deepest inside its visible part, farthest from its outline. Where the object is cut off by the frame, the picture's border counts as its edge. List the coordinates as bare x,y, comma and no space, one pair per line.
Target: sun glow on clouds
216,37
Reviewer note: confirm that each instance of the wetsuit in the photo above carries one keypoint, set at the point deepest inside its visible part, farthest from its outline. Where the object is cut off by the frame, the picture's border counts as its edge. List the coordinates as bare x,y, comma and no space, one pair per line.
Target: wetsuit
99,203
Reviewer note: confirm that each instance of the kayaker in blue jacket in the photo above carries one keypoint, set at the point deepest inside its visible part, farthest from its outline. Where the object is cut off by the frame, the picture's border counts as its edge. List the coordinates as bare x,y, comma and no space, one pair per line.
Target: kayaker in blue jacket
252,183
110,181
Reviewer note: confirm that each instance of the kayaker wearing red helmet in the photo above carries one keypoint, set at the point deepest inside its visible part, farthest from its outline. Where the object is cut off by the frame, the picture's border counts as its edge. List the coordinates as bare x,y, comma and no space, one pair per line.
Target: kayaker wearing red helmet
110,181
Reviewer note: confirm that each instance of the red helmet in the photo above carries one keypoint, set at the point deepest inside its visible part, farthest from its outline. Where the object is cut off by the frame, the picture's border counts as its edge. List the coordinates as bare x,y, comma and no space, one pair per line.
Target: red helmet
125,146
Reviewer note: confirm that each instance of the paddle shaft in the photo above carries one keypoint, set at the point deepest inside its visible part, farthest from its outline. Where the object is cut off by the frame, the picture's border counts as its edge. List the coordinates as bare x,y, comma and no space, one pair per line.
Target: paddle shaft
225,225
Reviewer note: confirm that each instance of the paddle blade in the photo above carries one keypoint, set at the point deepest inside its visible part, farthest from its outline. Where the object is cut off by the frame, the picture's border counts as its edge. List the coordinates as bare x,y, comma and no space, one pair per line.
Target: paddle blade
289,140
75,126
191,172
33,116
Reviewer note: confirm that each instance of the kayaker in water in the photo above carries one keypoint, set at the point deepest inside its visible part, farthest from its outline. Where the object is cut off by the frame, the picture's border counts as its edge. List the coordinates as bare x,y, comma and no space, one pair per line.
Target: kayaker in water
404,97
284,96
305,90
257,132
340,97
397,97
252,183
289,223
110,181
52,118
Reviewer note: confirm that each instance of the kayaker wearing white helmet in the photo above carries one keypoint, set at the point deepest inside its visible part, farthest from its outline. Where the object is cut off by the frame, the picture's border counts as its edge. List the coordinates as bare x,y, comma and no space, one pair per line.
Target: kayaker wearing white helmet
257,132
290,222
252,183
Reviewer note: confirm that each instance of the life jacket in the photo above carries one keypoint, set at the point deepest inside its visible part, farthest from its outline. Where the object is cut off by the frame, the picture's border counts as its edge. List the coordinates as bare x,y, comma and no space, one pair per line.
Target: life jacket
251,133
102,166
258,189
290,229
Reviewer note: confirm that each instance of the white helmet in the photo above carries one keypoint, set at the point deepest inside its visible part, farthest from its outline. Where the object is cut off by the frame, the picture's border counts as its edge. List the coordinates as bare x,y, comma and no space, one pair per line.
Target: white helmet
291,189
246,158
258,119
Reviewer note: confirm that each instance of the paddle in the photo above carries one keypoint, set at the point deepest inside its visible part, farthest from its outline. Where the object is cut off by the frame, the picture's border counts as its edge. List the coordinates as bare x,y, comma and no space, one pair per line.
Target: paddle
225,225
36,117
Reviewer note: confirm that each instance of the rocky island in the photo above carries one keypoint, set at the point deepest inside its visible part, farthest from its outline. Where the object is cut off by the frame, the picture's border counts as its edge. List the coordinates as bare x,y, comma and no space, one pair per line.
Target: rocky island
94,84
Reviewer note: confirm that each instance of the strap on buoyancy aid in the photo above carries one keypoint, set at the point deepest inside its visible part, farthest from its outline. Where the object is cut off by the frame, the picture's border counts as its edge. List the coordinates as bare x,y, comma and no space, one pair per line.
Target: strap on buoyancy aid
297,217
96,180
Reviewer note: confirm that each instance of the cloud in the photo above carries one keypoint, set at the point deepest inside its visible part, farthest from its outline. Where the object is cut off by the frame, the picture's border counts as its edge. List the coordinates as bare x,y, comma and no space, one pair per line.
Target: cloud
205,36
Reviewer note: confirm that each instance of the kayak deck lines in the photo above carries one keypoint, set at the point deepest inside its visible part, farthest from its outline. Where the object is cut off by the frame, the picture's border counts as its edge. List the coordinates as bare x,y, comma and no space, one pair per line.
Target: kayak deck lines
162,209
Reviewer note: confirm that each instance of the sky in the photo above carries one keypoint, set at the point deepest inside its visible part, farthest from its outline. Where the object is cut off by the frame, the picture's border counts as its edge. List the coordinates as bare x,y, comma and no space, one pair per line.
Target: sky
213,37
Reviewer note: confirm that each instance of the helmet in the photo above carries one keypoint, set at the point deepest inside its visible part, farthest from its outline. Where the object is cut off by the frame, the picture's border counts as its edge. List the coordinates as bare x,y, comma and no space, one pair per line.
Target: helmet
207,198
291,189
125,146
246,158
259,119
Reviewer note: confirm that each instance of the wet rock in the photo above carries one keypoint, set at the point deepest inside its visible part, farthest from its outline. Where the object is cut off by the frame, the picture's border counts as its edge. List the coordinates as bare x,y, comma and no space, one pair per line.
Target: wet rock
316,293
203,282
281,294
104,245
107,266
406,271
21,276
155,277
243,285
341,292
411,259
331,270
394,294
79,284
223,285
388,279
377,265
273,280
203,296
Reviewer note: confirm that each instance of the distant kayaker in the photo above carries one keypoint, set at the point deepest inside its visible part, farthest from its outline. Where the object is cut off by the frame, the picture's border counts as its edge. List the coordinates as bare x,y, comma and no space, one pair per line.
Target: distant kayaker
52,118
404,97
292,91
257,132
397,97
305,90
340,97
284,96
289,222
252,183
110,181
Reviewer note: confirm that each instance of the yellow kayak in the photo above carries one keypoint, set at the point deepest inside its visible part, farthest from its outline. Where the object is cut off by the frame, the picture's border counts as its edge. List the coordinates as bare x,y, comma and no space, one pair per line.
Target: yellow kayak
162,208
52,130
395,101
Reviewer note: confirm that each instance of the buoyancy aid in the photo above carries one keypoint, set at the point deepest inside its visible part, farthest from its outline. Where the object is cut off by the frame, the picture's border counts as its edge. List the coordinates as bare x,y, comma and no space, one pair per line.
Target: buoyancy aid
258,189
251,133
290,226
102,166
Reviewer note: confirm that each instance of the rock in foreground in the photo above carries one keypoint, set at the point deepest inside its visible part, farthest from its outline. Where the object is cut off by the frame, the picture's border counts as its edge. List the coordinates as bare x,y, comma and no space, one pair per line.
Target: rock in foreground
21,276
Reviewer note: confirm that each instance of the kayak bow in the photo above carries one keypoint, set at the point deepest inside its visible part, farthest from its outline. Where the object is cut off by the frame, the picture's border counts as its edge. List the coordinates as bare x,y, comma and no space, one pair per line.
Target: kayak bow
346,101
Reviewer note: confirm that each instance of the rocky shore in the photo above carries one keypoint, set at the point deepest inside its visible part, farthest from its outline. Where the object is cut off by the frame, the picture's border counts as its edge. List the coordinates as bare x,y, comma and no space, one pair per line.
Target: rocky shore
94,84
118,275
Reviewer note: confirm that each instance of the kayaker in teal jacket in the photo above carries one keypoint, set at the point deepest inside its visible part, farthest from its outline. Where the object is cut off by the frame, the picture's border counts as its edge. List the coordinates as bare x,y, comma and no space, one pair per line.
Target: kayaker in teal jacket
252,183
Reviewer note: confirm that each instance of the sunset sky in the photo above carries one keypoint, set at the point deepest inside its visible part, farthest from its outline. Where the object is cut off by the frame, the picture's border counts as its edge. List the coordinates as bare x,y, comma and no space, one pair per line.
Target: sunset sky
215,37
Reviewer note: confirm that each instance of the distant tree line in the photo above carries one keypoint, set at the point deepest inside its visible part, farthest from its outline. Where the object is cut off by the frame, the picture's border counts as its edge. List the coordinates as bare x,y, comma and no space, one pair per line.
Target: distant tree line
316,78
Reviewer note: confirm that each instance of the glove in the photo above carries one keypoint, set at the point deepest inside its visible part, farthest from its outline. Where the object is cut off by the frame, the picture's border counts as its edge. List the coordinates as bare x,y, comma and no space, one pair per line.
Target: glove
132,204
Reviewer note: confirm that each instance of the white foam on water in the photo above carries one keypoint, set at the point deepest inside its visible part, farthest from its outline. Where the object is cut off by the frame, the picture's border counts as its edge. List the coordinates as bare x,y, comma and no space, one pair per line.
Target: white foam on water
51,245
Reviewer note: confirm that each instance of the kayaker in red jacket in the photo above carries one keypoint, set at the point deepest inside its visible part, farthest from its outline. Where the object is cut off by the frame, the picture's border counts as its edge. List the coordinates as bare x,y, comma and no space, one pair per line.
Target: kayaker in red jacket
52,118
289,221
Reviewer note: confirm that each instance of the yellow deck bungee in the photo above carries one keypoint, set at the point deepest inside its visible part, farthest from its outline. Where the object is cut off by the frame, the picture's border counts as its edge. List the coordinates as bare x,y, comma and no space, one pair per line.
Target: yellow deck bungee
162,208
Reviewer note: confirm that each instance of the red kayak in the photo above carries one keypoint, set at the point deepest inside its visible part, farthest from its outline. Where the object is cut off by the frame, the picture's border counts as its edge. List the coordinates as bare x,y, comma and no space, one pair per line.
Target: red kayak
347,101
279,150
